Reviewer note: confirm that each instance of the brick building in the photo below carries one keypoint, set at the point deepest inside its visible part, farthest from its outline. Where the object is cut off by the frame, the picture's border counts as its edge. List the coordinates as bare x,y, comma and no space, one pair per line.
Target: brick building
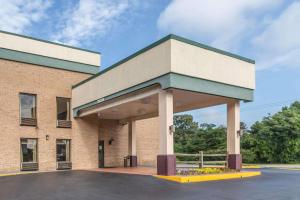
60,111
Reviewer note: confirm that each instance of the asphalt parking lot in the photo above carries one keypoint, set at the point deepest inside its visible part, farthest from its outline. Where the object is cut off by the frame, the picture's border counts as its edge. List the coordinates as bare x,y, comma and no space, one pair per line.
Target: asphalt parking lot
85,185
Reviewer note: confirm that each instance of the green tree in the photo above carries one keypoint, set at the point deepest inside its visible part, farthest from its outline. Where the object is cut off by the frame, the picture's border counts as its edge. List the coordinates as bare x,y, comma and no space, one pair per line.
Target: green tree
274,139
185,128
277,137
190,137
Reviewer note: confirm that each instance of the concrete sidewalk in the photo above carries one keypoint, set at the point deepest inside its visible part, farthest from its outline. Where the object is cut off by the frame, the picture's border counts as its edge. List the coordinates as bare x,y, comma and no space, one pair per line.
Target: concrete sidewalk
280,166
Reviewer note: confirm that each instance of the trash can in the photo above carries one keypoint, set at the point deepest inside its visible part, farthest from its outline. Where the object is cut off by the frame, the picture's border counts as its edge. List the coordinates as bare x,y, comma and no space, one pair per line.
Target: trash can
126,161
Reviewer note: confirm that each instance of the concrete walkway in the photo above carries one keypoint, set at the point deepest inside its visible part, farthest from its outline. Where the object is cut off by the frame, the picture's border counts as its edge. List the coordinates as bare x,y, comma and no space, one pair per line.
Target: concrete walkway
128,170
280,166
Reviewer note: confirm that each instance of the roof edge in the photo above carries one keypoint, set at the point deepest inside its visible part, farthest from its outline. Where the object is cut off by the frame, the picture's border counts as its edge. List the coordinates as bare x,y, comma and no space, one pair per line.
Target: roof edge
47,41
124,60
210,48
160,41
44,61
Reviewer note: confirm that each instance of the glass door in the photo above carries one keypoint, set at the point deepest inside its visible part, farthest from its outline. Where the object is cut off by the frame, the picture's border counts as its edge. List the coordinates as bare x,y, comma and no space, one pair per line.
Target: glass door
101,153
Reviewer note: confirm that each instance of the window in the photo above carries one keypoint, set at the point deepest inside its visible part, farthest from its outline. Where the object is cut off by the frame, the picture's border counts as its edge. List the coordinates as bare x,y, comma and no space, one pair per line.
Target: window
63,108
28,150
63,112
28,109
63,150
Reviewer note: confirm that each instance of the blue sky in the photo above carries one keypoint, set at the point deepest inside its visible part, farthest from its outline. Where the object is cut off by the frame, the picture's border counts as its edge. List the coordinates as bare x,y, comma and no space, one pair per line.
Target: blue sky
267,31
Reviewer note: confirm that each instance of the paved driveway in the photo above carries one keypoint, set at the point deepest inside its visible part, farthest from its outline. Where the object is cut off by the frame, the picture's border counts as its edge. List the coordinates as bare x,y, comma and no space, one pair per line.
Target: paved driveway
84,185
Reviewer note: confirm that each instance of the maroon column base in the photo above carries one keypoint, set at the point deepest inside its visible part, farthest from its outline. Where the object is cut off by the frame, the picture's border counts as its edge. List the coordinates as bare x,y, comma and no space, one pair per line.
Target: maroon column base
235,161
133,161
166,165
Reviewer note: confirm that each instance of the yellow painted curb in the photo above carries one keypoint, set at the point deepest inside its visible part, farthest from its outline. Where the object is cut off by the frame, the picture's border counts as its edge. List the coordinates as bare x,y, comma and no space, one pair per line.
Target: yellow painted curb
29,172
210,177
17,173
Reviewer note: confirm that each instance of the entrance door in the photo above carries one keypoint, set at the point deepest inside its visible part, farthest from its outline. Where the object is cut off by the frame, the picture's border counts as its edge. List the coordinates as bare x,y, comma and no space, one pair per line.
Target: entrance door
101,153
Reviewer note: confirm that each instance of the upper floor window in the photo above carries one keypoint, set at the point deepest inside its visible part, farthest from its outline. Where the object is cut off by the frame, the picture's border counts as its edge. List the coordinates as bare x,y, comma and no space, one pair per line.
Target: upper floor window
28,109
63,112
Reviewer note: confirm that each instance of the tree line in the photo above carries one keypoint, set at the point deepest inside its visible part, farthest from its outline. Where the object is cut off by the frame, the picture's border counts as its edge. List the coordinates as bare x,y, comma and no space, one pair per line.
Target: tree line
274,139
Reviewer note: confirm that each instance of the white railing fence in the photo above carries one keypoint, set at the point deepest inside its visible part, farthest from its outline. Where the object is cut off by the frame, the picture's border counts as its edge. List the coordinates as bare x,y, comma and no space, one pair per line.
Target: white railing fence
199,161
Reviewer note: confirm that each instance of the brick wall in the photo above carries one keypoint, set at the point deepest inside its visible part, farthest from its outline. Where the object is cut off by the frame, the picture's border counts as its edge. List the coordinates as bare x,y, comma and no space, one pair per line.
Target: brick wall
114,153
47,83
147,141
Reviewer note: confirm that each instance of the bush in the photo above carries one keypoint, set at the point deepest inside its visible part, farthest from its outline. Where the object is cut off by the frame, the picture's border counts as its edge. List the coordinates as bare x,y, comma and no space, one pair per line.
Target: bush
201,171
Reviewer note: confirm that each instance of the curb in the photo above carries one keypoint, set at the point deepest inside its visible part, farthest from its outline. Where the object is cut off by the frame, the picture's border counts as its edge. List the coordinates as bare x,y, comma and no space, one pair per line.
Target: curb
28,172
17,173
212,177
293,169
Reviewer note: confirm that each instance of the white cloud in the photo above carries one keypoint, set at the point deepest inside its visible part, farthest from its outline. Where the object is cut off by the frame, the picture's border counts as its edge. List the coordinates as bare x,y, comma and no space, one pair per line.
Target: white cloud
90,18
278,46
222,23
17,15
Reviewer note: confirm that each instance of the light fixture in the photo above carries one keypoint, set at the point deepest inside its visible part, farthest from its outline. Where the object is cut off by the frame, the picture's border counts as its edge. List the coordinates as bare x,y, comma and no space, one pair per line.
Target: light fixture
110,141
172,129
240,132
123,122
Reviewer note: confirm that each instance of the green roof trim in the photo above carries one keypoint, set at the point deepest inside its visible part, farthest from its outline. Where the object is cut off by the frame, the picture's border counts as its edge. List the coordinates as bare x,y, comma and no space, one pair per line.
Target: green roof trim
194,84
55,43
45,61
182,82
168,37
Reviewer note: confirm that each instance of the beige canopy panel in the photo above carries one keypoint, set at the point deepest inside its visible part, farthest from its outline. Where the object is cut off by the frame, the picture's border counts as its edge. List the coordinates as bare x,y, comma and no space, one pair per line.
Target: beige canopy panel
209,75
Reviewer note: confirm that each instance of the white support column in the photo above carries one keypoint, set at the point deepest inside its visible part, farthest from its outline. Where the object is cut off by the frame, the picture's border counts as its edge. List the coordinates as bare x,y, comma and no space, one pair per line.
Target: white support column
165,110
166,160
132,143
233,138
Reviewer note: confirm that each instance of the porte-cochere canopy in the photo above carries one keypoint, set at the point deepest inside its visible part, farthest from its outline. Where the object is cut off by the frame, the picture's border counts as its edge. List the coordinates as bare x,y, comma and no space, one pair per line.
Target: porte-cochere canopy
171,75
172,62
